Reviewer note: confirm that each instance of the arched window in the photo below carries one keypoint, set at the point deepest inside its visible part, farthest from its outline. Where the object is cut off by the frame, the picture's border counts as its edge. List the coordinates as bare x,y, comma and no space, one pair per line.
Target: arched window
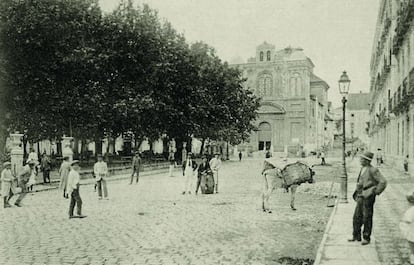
265,85
265,136
296,85
268,55
261,56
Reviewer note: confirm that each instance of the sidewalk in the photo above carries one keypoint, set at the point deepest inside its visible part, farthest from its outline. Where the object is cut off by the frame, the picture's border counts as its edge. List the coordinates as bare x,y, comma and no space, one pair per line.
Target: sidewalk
335,248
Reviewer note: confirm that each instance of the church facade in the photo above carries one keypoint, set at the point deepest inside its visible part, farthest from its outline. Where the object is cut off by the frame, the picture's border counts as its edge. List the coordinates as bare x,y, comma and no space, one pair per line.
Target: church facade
294,106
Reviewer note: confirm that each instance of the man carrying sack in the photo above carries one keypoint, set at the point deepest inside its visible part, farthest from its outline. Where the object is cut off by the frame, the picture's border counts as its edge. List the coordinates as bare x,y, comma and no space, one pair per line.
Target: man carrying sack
370,183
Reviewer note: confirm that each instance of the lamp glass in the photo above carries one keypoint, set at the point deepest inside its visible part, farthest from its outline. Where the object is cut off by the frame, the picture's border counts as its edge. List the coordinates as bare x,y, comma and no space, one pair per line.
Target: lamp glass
344,84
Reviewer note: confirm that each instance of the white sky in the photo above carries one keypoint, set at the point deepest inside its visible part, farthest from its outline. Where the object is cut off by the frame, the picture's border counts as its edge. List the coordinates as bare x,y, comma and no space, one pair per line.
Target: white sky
336,34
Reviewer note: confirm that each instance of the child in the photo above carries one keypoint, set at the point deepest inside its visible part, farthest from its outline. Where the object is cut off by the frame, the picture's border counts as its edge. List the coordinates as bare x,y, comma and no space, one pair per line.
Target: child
6,184
407,226
406,164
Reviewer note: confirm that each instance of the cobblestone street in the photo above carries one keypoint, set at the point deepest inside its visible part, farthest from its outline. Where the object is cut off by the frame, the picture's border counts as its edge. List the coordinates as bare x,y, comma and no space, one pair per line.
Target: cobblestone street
389,208
152,223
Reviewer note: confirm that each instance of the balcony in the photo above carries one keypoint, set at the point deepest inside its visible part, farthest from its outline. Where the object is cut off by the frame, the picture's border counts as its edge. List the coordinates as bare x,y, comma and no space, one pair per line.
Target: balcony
404,20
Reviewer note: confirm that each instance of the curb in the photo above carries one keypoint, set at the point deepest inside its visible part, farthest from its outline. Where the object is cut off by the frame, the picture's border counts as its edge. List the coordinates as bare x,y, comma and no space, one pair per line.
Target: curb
319,252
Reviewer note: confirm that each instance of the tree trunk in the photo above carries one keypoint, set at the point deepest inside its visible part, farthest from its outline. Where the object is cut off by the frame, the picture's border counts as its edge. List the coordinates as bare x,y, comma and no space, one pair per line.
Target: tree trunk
76,148
202,145
98,147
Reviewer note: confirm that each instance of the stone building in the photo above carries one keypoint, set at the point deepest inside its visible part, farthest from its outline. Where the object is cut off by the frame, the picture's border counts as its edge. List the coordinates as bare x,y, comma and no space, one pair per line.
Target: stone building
392,81
356,117
294,100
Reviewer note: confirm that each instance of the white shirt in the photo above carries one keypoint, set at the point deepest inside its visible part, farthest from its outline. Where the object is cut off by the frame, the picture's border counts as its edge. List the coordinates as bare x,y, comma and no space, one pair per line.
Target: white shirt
33,156
215,164
100,169
73,180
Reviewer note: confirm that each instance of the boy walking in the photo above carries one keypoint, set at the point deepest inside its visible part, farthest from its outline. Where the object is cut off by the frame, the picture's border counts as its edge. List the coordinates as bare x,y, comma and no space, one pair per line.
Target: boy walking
73,190
100,170
136,166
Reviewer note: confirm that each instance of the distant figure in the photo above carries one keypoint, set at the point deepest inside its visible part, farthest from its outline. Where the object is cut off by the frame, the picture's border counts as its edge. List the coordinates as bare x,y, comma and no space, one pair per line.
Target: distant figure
406,165
172,164
268,154
215,165
46,167
323,158
379,157
189,169
407,226
100,170
34,157
240,155
136,166
63,173
7,187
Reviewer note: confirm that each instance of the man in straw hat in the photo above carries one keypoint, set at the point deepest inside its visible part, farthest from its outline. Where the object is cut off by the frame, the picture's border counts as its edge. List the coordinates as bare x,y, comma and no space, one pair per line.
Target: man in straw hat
215,165
100,170
7,184
23,178
73,190
370,183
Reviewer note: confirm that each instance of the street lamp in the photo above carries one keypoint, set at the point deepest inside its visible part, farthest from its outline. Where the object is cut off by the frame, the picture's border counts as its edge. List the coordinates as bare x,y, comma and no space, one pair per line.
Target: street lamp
344,89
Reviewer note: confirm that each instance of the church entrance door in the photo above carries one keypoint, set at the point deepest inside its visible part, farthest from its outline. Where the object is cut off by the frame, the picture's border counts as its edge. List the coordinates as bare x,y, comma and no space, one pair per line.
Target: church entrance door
265,136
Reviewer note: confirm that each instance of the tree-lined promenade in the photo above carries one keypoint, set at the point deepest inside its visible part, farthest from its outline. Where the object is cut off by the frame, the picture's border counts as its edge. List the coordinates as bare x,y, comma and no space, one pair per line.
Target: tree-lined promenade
69,69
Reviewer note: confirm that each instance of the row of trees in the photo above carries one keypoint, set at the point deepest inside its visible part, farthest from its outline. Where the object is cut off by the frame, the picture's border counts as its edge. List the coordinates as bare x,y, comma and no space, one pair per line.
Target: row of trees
68,69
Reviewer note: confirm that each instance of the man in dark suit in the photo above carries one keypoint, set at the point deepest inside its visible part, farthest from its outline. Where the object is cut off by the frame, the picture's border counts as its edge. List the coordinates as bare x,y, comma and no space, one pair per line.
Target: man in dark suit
370,183
203,168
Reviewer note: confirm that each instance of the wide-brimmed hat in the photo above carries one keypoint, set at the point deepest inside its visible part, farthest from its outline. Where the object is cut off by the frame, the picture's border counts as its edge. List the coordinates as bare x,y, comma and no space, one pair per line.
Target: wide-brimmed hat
368,156
216,153
7,163
99,155
74,162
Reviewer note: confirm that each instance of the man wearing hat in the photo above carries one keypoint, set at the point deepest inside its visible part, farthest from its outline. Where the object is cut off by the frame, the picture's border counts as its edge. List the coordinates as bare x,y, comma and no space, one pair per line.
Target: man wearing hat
215,165
370,183
136,166
100,170
189,168
73,190
203,168
7,184
23,178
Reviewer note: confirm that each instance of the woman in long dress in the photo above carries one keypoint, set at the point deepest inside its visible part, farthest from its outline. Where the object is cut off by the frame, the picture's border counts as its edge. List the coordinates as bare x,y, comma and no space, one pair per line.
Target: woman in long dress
63,173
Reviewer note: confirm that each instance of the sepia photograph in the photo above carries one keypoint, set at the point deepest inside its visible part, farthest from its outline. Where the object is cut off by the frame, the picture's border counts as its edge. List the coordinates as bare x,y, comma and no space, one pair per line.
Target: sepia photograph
202,132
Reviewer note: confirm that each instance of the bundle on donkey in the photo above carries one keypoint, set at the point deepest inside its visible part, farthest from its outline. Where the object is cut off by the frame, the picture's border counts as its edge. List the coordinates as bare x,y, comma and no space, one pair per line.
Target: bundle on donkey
289,178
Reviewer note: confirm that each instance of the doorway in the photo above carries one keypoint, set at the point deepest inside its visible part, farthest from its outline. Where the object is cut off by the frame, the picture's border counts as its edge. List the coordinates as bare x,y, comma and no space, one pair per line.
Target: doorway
265,136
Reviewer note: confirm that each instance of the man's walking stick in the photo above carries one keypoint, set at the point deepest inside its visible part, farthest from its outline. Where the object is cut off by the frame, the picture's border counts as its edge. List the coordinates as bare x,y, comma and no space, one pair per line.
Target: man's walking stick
217,183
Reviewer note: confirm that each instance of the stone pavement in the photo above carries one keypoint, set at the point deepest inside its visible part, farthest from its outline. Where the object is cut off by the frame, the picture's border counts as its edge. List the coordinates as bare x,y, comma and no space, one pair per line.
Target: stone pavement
387,245
152,223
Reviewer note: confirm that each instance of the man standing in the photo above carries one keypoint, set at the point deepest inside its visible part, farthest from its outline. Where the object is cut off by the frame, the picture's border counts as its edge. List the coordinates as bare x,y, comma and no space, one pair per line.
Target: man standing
23,178
7,184
172,164
204,168
370,183
73,190
46,167
189,168
136,166
215,165
100,170
323,162
63,173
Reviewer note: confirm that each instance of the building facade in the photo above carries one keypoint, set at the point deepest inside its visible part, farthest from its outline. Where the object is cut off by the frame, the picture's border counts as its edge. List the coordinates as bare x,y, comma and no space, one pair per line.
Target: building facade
357,118
294,100
392,81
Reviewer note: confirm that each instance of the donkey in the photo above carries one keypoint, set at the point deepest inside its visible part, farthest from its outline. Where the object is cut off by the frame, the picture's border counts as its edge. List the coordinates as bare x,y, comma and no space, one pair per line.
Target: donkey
274,177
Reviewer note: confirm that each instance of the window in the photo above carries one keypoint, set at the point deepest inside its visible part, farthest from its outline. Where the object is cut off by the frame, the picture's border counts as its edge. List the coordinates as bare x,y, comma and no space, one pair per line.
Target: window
261,56
295,85
264,85
268,55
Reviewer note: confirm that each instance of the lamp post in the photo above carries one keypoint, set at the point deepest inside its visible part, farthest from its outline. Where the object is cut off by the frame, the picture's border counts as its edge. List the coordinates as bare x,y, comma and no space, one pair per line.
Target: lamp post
344,89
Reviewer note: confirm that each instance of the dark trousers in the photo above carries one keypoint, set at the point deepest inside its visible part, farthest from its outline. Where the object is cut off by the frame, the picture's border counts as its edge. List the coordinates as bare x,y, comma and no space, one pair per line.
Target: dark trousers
198,183
102,186
323,161
46,176
75,199
22,194
363,214
136,172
